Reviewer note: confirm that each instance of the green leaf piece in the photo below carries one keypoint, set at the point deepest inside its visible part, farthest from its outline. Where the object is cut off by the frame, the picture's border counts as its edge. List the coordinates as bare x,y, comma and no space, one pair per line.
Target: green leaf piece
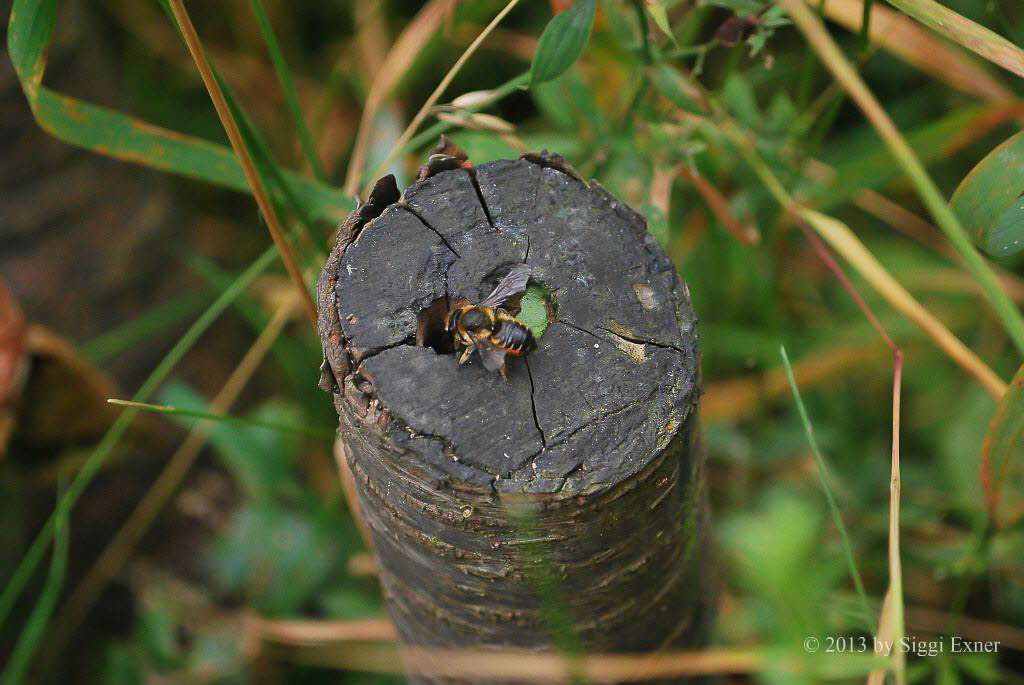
563,41
824,479
660,16
990,199
280,575
28,36
537,309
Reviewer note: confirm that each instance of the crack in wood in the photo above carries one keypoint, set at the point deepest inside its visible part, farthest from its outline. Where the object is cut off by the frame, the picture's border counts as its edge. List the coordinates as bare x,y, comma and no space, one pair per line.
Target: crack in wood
644,341
533,405
480,196
409,340
436,232
565,439
628,338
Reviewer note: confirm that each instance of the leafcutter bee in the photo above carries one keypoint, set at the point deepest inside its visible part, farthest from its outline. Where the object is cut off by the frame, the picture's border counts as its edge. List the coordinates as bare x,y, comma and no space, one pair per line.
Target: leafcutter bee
488,328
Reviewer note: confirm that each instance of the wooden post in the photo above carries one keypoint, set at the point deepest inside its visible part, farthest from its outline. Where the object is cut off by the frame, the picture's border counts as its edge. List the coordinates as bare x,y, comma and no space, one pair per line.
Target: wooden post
595,428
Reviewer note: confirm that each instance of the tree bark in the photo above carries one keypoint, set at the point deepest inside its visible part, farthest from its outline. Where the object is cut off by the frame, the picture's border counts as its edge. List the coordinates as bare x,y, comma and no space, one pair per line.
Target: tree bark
594,430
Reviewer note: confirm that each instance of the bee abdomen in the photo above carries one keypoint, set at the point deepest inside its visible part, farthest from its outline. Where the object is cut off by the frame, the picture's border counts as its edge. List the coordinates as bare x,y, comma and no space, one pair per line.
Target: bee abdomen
515,337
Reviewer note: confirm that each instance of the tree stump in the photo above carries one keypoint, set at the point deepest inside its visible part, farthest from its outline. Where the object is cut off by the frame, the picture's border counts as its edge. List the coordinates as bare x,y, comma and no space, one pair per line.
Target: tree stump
595,428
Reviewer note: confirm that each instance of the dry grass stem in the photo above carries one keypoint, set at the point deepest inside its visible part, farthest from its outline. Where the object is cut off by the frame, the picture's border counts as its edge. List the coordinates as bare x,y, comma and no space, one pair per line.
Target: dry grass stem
747,233
117,552
972,36
308,633
526,665
892,608
843,241
259,192
854,85
918,46
427,106
400,57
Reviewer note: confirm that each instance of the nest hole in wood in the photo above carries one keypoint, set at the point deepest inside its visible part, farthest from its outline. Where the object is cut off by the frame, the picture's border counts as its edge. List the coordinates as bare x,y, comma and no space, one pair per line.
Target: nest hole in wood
537,308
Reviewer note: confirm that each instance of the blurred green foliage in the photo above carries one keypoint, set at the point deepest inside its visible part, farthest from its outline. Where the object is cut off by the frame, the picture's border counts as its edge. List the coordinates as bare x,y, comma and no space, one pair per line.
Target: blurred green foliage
623,114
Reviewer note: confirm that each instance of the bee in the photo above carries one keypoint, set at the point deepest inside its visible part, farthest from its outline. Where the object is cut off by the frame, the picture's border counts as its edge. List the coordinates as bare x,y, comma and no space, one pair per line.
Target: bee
488,328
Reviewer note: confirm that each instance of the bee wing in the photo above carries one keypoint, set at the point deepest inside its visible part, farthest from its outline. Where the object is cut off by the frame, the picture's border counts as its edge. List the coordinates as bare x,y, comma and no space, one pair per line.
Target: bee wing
513,284
492,356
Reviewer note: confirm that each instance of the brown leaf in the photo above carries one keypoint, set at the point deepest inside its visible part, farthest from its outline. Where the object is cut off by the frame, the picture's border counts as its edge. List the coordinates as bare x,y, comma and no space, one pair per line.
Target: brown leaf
13,361
735,30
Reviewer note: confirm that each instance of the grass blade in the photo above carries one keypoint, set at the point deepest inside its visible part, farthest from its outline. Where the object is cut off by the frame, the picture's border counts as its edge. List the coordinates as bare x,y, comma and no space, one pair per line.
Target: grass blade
110,439
35,626
851,81
225,418
865,25
148,324
28,37
266,166
291,97
120,136
962,30
823,479
117,135
916,45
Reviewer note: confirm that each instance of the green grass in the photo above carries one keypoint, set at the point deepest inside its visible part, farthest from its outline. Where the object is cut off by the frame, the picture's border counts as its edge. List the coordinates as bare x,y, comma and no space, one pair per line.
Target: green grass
35,625
825,479
117,430
224,418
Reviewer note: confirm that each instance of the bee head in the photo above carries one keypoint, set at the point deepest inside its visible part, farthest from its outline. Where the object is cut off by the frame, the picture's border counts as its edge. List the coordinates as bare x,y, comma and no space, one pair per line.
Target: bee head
474,320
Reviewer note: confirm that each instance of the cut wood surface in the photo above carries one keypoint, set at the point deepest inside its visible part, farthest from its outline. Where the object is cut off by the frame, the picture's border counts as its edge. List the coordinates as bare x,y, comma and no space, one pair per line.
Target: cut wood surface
594,429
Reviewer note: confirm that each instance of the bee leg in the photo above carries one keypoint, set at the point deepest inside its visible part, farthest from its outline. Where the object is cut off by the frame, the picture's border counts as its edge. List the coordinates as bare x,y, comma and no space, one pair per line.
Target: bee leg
465,356
504,371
